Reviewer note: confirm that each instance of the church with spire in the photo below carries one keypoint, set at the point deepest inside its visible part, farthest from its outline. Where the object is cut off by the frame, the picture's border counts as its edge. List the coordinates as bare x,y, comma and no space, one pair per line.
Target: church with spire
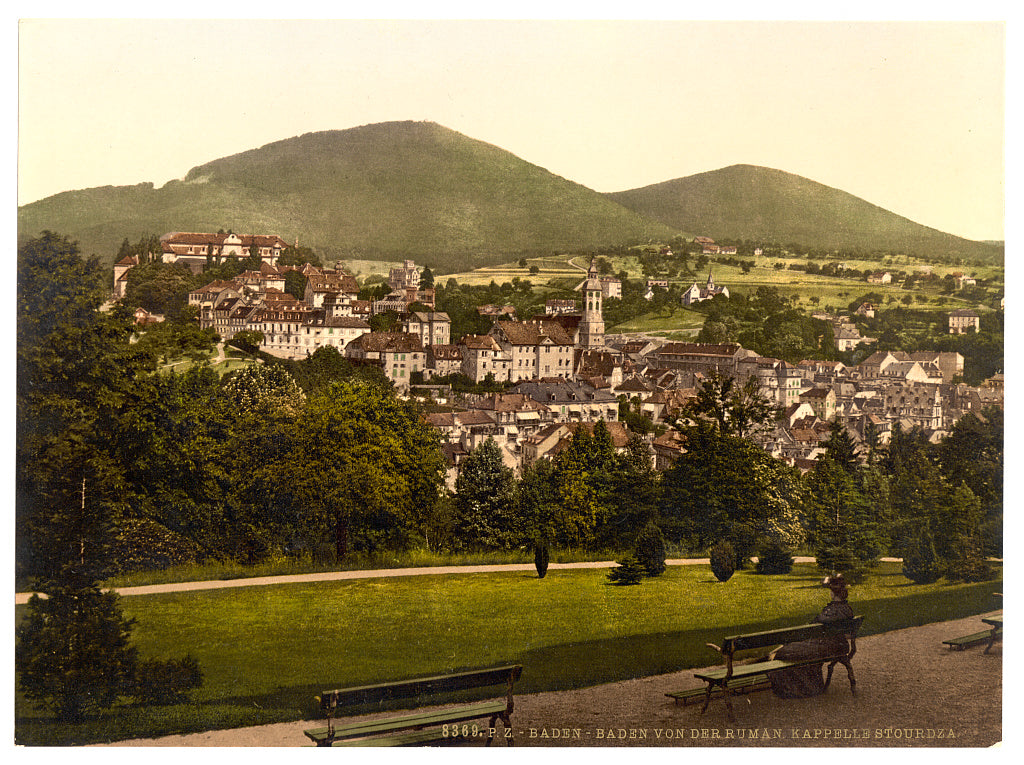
696,293
591,327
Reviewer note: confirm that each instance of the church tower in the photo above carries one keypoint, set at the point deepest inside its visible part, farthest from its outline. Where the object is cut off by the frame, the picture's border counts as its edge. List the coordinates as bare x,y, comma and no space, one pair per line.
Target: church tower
591,333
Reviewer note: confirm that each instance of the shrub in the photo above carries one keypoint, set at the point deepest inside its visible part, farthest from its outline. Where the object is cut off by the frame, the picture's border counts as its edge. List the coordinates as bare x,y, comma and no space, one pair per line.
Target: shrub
723,561
540,558
744,541
921,563
650,549
629,571
967,563
166,681
774,559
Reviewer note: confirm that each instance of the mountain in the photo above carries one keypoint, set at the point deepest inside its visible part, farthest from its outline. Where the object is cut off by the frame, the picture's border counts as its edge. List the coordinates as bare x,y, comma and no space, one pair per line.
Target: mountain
388,190
766,205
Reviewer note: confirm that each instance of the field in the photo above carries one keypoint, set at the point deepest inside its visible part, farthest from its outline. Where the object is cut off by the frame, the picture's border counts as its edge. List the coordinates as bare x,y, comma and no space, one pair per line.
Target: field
808,292
266,651
549,268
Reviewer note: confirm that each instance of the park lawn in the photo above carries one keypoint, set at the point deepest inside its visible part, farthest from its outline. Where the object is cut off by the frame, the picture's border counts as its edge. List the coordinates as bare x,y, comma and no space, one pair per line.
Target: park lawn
672,318
266,651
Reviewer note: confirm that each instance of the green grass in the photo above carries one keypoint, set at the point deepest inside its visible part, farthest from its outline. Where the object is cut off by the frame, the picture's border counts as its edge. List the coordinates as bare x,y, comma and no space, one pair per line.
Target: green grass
674,318
265,651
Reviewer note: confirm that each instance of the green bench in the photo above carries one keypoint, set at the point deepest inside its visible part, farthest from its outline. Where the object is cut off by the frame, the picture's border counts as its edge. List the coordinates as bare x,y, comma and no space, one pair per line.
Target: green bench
990,635
737,685
725,681
449,725
967,641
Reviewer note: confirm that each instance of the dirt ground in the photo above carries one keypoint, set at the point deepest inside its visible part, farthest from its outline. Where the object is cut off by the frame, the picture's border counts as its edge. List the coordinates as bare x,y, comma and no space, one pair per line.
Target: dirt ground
912,691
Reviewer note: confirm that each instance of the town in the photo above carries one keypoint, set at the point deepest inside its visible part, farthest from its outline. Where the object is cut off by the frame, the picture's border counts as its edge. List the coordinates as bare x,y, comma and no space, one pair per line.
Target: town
560,369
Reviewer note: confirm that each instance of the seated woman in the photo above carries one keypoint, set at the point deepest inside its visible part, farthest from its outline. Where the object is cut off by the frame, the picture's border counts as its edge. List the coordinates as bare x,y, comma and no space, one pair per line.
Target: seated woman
801,682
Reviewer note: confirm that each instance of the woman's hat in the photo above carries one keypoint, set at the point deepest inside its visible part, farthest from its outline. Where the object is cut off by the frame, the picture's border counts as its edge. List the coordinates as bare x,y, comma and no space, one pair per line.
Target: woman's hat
835,582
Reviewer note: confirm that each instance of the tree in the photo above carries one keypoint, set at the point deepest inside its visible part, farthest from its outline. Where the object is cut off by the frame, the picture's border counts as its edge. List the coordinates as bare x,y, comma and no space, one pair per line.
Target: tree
295,284
247,341
649,549
581,486
723,561
160,288
972,454
485,501
264,390
629,571
73,653
299,256
840,447
736,410
357,466
77,375
426,278
724,487
842,528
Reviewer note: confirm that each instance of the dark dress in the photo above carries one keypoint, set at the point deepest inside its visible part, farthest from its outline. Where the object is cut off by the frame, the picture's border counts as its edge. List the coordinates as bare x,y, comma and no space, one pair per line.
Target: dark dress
801,682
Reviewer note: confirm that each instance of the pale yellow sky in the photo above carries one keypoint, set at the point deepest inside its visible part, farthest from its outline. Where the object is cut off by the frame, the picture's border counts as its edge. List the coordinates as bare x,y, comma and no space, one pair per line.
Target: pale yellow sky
909,116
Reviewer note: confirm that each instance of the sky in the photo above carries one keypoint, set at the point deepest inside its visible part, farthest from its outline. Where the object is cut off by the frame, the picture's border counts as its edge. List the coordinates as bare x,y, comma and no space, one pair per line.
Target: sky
906,115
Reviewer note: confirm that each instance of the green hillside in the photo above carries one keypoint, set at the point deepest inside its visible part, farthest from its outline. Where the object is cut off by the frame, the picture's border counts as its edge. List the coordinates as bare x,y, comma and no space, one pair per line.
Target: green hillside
762,204
412,189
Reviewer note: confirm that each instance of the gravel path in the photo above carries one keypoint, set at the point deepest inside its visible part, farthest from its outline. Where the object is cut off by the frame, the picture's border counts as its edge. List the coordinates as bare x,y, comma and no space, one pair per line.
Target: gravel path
912,691
21,598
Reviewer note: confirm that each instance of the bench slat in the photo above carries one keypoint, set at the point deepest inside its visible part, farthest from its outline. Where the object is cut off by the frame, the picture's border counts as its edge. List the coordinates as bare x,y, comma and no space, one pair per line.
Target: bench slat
761,667
969,640
738,685
791,634
369,694
416,738
434,717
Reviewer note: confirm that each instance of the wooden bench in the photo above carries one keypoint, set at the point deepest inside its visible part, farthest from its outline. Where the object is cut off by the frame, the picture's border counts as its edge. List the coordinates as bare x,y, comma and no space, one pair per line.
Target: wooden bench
448,725
724,682
990,635
737,685
961,643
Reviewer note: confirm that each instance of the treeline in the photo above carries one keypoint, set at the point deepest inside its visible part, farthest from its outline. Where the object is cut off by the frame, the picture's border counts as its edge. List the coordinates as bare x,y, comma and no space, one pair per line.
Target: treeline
119,467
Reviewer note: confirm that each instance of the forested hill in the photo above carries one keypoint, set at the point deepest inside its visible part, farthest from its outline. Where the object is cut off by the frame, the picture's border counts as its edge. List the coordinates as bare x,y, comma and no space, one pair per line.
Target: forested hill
413,189
766,205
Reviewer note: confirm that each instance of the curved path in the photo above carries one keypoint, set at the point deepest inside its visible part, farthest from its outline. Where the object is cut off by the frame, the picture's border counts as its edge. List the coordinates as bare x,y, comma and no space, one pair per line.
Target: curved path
21,598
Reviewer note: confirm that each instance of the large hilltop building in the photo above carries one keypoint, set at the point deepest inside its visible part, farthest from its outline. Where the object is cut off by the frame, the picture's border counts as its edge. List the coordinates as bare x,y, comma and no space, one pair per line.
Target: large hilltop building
196,249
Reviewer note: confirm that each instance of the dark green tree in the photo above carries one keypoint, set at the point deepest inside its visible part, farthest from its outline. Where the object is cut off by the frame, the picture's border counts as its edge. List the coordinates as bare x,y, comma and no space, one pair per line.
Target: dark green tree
629,571
723,561
485,501
739,410
247,341
649,549
972,454
73,653
724,487
843,530
77,374
841,448
299,256
426,278
295,284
